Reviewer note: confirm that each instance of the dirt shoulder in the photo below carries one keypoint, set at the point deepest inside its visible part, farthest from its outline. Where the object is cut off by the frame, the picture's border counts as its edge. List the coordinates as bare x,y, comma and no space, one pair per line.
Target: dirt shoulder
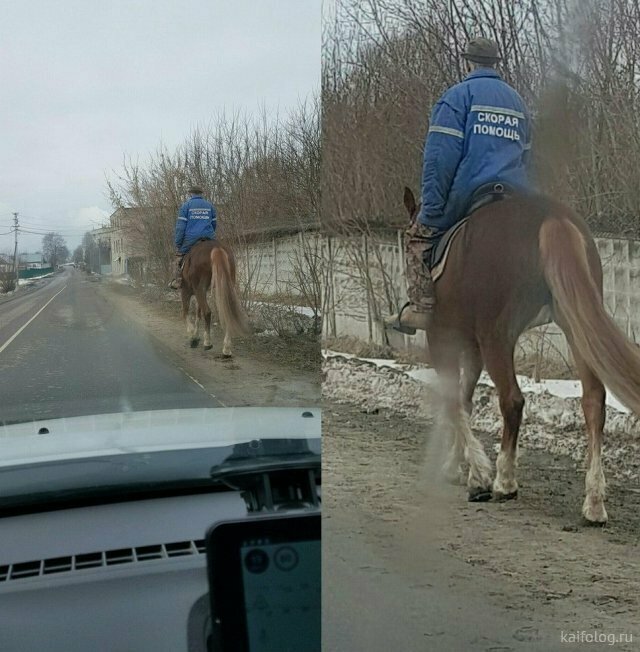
263,371
537,569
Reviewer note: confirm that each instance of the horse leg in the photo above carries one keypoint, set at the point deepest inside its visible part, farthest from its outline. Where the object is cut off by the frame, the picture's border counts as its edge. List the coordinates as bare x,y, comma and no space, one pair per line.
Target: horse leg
204,306
449,373
195,338
207,330
186,304
463,443
471,370
498,358
593,407
226,345
203,312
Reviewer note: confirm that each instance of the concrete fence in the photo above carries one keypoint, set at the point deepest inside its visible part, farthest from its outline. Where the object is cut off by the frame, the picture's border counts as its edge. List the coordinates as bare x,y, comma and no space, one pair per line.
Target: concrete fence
355,301
286,266
361,280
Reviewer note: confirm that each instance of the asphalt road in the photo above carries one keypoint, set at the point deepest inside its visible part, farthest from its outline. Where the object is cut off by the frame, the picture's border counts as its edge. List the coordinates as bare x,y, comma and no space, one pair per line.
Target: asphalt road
64,351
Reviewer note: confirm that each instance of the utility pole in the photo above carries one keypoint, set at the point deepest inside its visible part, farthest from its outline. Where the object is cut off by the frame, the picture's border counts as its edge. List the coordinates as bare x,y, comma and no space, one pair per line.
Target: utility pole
15,249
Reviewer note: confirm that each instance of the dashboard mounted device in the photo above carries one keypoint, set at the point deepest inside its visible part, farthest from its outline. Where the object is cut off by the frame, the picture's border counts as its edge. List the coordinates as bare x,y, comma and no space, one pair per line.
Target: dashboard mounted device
264,583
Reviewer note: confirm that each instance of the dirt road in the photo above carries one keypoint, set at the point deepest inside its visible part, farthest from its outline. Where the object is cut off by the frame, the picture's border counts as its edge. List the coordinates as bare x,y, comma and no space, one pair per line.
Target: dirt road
263,371
411,565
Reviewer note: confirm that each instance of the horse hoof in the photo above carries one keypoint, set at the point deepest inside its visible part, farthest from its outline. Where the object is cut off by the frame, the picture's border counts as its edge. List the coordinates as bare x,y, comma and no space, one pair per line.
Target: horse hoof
208,346
499,497
227,356
194,343
594,514
589,523
479,495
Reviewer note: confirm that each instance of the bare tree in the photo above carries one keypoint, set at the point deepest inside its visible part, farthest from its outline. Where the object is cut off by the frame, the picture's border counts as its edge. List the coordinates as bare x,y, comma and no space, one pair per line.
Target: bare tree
54,249
262,173
386,62
78,255
89,249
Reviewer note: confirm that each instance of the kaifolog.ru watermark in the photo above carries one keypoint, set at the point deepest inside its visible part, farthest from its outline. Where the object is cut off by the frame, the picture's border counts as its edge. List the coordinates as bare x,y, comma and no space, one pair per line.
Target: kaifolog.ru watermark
584,636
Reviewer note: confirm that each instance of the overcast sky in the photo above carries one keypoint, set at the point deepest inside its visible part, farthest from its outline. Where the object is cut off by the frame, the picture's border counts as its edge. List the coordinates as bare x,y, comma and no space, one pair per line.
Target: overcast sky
83,82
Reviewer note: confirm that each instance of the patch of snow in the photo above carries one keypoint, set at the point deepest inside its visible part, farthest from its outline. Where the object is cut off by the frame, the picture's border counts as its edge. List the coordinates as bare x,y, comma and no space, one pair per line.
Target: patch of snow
29,281
122,280
270,333
424,374
552,420
301,310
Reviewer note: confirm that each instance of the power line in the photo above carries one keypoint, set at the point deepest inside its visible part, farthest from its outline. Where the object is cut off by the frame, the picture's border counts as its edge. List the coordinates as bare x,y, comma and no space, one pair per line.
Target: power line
44,221
69,234
49,227
43,231
37,225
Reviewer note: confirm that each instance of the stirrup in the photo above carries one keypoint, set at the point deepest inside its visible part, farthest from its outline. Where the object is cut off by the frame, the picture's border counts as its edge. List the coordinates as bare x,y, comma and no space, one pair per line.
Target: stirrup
399,326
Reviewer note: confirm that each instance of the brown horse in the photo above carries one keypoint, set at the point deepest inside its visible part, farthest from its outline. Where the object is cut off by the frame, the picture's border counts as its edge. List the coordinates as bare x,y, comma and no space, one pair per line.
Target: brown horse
210,265
518,263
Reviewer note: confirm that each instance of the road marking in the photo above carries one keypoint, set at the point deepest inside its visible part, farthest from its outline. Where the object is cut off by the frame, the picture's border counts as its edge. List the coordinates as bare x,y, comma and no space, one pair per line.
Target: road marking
13,337
201,386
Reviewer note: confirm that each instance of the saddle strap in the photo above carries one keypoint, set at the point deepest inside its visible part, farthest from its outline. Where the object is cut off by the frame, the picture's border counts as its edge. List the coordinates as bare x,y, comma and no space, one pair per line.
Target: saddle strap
487,194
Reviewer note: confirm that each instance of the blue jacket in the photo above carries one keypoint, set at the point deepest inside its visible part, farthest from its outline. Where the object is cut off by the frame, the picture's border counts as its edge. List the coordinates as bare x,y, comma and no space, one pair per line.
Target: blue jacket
196,220
479,133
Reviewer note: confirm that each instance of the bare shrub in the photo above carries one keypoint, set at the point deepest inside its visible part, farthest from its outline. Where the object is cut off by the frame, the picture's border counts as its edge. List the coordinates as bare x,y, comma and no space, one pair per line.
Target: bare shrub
308,268
7,282
282,320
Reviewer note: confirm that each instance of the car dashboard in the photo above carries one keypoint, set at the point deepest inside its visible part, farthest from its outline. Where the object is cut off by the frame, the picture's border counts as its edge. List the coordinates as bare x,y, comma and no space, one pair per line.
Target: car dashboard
127,576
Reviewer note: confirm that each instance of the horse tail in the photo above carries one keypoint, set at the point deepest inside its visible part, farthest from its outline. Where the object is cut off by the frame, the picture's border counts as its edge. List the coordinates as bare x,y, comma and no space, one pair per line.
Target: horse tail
577,298
232,317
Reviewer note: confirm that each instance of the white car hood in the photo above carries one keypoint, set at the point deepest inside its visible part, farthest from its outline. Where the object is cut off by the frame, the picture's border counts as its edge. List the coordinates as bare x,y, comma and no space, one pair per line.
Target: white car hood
157,430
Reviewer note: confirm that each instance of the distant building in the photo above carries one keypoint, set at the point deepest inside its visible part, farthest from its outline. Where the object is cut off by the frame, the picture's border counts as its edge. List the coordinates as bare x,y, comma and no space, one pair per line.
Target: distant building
122,242
32,261
101,259
128,251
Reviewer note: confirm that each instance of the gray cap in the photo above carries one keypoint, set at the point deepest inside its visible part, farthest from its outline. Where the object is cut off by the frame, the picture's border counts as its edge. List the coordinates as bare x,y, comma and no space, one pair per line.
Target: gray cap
482,50
195,190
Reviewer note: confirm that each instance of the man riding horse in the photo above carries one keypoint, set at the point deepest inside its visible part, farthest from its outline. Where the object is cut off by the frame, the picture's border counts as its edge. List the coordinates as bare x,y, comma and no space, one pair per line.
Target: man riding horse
196,221
477,146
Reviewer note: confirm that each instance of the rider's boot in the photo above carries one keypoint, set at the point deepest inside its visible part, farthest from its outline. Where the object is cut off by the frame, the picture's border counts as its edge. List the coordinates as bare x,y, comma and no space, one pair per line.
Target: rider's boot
176,281
411,318
417,313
